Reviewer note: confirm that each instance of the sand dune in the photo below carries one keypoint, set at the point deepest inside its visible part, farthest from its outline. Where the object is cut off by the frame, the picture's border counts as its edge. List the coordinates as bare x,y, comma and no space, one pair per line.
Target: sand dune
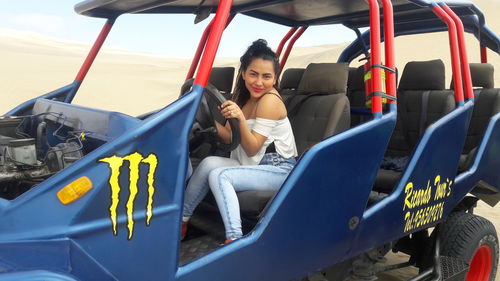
135,83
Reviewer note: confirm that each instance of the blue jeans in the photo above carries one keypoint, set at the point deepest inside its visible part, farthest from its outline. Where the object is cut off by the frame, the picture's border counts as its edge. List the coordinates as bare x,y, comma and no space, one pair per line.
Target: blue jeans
225,177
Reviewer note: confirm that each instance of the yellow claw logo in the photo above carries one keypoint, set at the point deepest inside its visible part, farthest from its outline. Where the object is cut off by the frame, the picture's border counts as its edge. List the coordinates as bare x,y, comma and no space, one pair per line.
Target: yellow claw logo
115,163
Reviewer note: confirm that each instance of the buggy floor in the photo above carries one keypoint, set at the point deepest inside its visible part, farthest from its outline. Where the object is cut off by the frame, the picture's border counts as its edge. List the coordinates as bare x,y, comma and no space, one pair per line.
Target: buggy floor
205,233
197,247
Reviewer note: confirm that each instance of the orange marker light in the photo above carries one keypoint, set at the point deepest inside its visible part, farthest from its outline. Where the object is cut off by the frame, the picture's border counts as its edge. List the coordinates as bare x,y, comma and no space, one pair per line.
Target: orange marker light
74,190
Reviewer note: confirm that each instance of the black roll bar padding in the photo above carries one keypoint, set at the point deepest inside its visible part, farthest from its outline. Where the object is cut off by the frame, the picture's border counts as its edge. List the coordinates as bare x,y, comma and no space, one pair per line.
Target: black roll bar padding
360,37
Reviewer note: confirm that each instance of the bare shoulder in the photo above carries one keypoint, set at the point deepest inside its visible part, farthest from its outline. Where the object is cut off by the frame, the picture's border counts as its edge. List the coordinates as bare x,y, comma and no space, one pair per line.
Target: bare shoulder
270,106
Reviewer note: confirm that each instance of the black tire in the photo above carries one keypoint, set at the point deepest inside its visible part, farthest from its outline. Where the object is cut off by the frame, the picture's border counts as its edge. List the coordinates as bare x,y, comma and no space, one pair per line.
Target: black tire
463,235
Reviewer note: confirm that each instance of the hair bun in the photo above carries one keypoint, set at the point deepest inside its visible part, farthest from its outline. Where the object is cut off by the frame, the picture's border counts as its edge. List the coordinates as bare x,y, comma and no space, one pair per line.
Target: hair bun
257,48
259,44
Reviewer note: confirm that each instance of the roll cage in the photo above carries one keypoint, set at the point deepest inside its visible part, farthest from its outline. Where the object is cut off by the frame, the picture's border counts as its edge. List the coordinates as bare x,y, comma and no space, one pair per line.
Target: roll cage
80,243
401,17
404,17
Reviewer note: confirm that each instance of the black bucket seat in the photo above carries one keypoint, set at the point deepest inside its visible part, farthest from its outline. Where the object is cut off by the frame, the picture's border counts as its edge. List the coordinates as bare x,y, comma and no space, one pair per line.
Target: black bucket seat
422,100
290,81
320,109
222,78
486,104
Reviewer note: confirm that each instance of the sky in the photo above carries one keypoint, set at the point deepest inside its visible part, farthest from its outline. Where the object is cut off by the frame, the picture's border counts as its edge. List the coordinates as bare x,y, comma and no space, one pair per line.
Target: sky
167,35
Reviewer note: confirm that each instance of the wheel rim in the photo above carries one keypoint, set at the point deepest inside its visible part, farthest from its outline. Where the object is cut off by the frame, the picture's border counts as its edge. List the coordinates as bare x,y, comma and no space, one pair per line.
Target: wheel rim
480,265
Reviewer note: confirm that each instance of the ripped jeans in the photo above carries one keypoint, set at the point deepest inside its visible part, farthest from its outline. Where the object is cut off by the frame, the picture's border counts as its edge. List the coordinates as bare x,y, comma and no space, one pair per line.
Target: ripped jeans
225,177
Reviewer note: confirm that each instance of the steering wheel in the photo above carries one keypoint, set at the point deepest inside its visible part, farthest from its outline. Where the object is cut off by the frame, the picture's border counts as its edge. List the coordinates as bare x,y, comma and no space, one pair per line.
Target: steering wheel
204,129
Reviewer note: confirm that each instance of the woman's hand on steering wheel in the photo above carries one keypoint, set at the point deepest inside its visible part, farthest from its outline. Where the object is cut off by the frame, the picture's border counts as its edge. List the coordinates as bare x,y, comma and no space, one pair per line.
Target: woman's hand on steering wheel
207,115
230,110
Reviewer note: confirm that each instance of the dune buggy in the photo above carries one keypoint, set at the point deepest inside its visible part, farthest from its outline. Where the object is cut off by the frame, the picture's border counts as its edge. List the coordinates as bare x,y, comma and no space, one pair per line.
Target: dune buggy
89,194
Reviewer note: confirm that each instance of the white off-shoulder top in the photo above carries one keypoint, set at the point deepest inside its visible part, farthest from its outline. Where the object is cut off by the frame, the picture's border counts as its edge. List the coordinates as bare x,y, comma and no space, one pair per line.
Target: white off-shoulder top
277,131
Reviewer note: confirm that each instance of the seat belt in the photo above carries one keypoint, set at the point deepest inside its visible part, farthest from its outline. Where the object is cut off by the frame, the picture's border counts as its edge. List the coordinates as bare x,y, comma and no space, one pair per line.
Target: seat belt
402,114
423,112
477,92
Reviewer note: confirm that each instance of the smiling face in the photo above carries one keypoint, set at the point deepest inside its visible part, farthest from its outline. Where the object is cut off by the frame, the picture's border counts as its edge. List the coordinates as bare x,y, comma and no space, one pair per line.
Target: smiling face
259,77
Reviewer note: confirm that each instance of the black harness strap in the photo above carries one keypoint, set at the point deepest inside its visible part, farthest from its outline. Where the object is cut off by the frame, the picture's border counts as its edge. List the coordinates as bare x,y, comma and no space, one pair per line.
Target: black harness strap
381,94
423,112
381,66
403,112
477,92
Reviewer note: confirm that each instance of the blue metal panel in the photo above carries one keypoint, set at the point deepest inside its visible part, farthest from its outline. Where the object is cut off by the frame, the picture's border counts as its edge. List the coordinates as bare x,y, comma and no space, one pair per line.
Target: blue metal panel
36,275
486,162
85,267
38,215
23,255
30,257
306,227
99,122
437,154
59,94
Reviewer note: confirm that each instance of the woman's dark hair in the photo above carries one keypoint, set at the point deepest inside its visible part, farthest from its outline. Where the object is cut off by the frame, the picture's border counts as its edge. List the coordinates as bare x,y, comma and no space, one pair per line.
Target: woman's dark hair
258,50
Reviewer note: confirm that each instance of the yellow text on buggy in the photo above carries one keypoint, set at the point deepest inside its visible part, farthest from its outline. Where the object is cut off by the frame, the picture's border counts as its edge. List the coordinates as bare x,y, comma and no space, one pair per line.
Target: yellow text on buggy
135,159
422,208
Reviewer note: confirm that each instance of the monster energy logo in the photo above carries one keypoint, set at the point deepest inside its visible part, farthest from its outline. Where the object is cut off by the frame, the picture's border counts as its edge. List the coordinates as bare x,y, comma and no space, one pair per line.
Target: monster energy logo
115,163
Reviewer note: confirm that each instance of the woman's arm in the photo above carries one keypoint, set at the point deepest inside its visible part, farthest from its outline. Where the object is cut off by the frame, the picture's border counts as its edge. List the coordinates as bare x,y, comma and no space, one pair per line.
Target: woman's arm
224,132
268,107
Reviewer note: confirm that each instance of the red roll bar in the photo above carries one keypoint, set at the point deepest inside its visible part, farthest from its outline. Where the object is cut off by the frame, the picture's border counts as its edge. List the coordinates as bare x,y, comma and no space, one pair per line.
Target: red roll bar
84,69
455,57
199,50
376,79
95,50
284,40
390,82
290,46
201,47
469,93
220,21
484,54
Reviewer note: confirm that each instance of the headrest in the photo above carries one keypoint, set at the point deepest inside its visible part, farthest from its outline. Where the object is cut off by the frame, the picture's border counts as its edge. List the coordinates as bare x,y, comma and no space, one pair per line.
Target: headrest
291,78
356,79
423,75
222,78
325,78
482,75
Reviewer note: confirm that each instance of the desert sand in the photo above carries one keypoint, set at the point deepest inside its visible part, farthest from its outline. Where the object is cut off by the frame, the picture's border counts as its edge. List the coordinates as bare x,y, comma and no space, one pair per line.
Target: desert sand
135,83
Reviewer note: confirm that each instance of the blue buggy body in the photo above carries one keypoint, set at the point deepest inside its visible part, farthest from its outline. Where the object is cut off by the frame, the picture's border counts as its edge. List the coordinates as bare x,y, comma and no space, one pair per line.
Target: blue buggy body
124,222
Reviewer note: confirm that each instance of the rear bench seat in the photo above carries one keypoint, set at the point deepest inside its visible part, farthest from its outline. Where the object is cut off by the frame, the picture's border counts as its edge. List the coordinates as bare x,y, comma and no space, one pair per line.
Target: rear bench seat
320,109
422,99
486,104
